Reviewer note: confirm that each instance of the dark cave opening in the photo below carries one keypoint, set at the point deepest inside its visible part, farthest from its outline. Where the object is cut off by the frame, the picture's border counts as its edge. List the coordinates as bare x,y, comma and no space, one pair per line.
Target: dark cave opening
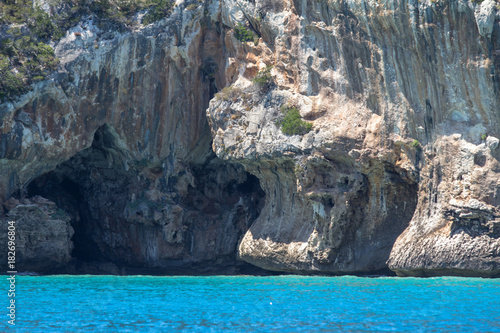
251,185
125,220
70,187
69,196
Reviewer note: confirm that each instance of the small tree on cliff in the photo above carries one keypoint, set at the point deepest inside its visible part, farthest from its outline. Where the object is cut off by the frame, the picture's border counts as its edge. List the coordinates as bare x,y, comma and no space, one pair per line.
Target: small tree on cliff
292,123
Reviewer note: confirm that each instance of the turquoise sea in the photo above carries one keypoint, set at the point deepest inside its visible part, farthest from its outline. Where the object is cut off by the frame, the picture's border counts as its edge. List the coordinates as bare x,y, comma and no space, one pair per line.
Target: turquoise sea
254,304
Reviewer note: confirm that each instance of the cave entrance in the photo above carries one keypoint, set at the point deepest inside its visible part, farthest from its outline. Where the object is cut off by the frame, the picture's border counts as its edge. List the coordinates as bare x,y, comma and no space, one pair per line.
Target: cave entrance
128,219
70,197
73,185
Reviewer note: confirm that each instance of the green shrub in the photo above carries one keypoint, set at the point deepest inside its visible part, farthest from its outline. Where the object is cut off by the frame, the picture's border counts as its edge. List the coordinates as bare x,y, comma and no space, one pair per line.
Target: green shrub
41,25
484,136
243,34
263,77
23,12
292,123
11,84
415,144
15,11
160,10
23,61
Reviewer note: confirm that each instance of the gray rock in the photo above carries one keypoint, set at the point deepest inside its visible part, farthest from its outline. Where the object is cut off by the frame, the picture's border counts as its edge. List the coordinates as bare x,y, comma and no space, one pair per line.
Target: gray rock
390,176
492,142
42,236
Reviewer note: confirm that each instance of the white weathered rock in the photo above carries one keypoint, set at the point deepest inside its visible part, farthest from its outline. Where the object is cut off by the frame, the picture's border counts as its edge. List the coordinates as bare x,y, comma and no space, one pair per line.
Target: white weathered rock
368,98
485,17
492,142
373,77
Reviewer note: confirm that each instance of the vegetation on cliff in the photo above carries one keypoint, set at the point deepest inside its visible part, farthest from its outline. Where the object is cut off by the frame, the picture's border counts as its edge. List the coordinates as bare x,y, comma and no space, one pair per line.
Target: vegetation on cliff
292,123
23,60
243,34
264,77
25,54
66,13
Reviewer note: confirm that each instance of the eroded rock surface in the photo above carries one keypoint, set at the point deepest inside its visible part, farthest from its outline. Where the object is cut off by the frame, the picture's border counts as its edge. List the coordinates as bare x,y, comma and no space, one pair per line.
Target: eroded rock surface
387,87
400,170
119,139
456,229
42,231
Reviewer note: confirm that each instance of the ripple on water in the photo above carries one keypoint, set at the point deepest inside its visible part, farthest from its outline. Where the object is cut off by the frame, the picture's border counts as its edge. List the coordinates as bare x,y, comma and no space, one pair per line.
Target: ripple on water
256,304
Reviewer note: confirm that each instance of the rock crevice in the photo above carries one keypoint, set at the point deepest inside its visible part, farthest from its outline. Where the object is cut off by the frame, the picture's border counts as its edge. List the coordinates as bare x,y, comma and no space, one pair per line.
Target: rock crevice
165,156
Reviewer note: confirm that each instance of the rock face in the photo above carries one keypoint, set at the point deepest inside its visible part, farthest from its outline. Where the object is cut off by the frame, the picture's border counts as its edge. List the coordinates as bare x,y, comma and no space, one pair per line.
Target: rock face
459,232
40,228
161,169
401,96
119,139
325,210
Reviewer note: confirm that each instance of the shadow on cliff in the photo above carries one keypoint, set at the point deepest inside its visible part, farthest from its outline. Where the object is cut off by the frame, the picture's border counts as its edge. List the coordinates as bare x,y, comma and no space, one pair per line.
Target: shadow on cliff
345,221
134,217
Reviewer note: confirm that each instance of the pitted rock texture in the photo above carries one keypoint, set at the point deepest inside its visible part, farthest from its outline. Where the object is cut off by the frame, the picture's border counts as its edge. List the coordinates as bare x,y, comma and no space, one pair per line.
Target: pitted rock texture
325,211
387,86
39,227
400,170
460,234
119,139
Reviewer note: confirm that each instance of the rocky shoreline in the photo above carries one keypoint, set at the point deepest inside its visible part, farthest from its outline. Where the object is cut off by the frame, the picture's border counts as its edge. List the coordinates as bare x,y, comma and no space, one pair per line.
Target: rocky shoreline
156,150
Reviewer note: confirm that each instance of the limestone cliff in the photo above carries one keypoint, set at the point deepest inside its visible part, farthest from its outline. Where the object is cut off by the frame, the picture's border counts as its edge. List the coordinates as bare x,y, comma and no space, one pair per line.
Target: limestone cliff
118,138
159,167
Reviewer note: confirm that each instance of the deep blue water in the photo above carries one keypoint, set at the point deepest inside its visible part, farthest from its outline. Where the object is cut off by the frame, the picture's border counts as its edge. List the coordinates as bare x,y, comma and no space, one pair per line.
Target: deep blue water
254,304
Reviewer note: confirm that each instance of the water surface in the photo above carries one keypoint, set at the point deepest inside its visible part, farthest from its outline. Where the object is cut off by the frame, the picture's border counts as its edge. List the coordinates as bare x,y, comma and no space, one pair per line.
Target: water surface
255,304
